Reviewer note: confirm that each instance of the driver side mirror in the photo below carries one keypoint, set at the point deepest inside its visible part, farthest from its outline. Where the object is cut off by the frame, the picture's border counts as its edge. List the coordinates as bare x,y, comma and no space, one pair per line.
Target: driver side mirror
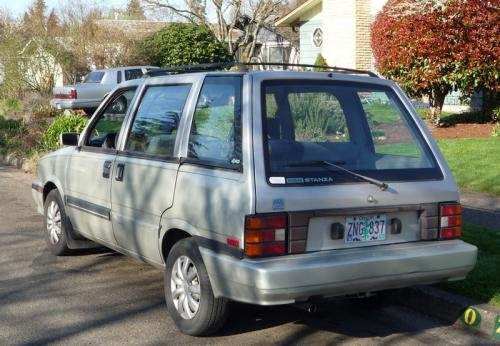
69,138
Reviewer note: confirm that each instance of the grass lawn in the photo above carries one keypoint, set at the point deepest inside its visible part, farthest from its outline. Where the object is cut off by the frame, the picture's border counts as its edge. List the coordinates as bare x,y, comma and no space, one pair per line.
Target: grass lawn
475,162
483,283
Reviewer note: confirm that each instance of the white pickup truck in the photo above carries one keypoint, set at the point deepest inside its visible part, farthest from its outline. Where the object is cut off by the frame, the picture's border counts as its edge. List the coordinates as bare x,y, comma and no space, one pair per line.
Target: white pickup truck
88,94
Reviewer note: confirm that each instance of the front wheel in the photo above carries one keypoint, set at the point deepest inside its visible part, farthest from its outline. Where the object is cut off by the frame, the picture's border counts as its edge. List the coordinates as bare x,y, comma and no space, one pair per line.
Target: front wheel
188,292
56,224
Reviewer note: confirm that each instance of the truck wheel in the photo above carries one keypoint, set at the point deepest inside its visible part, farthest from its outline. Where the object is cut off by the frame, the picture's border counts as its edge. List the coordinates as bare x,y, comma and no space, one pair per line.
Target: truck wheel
188,292
55,224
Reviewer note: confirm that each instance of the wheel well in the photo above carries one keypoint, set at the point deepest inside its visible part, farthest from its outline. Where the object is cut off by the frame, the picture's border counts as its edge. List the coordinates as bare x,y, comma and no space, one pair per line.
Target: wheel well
47,188
171,237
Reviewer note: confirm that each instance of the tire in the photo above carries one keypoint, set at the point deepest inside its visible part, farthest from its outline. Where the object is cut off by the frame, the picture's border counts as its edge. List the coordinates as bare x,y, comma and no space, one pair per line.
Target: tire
205,314
56,224
89,111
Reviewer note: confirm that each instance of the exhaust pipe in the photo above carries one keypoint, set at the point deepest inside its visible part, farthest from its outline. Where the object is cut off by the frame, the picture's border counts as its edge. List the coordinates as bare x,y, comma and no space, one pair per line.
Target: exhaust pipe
308,307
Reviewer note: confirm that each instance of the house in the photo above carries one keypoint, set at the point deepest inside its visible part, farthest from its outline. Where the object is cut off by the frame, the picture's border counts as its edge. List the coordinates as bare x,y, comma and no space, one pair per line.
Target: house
40,65
339,30
273,47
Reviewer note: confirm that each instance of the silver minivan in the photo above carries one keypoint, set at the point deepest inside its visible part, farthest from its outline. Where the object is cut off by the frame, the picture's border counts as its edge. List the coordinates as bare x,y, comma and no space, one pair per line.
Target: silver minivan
263,187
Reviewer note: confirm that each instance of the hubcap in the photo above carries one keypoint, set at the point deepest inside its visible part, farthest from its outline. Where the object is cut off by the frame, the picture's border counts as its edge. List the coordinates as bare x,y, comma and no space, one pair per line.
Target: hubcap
185,287
54,223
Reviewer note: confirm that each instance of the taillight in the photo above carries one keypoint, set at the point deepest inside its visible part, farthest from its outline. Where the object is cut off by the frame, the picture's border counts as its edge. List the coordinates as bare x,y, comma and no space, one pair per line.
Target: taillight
265,235
72,95
450,220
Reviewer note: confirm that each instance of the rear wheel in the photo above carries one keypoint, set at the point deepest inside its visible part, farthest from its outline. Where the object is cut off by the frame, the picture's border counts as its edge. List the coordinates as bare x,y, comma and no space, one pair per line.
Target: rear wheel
55,224
188,292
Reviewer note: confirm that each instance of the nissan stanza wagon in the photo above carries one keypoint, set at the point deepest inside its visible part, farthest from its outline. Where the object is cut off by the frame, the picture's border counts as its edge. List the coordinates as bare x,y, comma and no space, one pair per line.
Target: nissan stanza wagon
261,187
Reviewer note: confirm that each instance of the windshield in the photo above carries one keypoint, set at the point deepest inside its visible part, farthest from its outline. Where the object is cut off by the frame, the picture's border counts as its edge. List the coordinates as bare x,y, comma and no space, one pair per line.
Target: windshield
360,127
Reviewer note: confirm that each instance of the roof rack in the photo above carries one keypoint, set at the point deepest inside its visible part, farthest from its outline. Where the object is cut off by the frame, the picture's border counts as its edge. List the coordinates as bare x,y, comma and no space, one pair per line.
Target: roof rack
243,67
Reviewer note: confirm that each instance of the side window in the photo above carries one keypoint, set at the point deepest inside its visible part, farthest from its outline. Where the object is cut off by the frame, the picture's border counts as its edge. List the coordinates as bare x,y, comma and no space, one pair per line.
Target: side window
118,77
215,136
155,125
105,131
133,73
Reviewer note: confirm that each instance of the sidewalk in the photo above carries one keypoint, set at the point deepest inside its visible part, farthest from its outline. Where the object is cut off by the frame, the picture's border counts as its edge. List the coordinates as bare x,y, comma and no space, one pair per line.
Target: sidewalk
481,209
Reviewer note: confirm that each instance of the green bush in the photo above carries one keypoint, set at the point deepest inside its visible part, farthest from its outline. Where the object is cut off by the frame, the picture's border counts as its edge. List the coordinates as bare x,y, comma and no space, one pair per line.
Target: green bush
45,111
184,44
496,130
320,61
63,123
496,118
11,131
318,117
496,114
10,105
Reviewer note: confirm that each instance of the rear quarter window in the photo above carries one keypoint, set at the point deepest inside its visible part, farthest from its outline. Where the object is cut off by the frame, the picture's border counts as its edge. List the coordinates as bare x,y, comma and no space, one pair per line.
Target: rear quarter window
94,77
133,74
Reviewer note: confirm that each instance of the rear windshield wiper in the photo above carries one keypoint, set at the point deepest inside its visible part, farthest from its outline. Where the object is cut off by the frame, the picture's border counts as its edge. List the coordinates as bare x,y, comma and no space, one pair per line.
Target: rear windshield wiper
383,186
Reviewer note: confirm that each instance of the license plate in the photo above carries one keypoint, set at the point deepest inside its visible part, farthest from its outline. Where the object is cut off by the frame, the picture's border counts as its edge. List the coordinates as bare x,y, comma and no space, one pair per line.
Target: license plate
365,228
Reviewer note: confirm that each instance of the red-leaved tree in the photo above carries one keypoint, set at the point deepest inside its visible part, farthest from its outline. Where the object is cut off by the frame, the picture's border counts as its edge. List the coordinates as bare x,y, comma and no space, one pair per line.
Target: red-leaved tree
431,47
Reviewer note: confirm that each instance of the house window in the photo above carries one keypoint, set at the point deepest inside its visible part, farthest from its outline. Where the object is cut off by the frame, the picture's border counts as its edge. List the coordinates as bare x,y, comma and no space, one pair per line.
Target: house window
275,54
317,37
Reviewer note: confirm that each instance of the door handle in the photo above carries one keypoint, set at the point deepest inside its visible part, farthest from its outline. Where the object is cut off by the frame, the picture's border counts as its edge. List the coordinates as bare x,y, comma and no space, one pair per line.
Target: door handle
106,169
120,168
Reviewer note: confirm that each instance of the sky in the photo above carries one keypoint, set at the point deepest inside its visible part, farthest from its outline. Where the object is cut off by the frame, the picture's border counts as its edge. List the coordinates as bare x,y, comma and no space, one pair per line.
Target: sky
18,7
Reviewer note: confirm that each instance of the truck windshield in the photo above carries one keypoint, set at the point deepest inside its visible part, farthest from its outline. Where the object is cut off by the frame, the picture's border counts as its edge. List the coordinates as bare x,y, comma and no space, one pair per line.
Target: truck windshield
359,127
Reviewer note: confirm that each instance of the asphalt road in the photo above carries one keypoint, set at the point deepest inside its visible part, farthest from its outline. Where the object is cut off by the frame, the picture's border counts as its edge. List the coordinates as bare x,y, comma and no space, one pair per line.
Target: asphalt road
101,297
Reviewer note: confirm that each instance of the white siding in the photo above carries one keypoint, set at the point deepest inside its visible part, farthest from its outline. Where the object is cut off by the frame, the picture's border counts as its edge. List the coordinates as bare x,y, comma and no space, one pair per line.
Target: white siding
310,20
339,46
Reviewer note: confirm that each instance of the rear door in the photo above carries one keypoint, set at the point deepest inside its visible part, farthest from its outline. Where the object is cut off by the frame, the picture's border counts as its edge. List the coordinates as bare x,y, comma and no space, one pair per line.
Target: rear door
214,192
320,138
146,167
89,170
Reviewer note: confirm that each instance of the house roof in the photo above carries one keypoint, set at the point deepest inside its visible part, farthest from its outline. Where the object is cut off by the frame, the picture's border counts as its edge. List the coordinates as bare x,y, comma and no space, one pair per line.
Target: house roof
294,16
137,28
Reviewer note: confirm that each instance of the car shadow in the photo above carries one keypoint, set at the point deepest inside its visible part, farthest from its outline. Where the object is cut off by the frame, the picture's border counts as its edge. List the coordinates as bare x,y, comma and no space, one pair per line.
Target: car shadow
344,317
99,250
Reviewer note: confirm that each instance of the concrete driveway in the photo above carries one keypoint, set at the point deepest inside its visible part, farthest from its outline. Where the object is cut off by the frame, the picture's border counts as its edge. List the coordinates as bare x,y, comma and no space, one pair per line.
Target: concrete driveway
101,297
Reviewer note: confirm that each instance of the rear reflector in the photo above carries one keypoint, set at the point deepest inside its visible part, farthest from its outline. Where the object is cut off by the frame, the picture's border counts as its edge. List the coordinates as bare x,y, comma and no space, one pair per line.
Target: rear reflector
233,242
265,235
450,220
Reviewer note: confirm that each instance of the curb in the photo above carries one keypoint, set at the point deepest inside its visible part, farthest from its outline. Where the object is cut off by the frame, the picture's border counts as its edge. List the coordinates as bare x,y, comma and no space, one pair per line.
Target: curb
24,164
462,312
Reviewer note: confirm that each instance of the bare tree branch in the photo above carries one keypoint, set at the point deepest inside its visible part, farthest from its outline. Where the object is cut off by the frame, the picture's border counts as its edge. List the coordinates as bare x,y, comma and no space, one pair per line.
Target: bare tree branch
184,13
239,22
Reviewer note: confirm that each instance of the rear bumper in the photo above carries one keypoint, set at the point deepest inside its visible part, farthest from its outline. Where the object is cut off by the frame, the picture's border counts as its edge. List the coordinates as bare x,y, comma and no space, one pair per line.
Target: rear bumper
74,103
287,279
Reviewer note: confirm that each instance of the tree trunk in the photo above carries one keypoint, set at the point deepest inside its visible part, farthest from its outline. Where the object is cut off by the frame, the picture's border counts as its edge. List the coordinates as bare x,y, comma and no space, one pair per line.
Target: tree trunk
436,101
491,100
